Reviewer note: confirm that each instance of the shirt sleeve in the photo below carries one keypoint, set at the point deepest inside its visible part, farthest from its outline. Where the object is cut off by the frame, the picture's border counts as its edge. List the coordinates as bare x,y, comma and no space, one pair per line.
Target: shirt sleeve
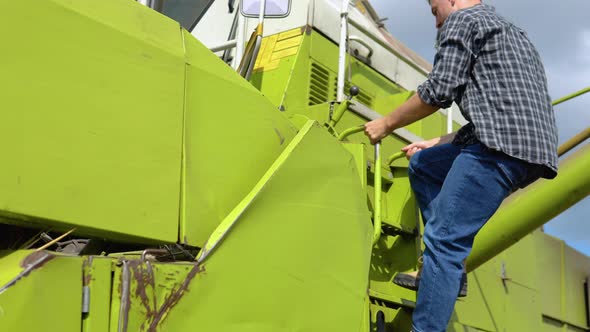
452,63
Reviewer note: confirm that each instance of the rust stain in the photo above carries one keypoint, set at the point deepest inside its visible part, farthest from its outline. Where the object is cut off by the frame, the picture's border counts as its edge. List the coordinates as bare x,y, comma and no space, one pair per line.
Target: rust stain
87,271
32,262
173,299
125,296
42,256
144,278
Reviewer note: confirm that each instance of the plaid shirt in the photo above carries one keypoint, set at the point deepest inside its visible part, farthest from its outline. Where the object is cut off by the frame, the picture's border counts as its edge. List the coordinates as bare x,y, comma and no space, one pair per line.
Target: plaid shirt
491,70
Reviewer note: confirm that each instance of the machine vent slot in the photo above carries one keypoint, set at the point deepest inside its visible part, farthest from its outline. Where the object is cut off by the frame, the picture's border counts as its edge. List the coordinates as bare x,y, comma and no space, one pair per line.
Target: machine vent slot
318,85
363,97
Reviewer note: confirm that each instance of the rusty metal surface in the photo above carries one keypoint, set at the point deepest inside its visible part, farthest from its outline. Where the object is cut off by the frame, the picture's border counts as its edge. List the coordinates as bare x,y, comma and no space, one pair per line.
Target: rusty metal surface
173,299
125,301
149,290
32,262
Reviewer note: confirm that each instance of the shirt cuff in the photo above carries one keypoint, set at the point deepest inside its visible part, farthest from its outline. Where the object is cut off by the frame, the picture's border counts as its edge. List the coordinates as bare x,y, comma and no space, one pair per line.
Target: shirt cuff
428,95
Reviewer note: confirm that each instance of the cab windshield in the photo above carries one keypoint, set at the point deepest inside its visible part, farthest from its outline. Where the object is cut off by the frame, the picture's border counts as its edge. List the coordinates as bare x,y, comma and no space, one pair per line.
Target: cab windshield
186,12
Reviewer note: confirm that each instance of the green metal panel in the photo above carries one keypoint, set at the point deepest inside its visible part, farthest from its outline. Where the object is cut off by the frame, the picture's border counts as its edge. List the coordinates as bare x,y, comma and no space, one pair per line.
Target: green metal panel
358,152
518,262
577,270
483,308
91,124
279,54
97,280
115,309
291,73
549,265
49,295
325,52
522,308
298,256
521,301
400,206
232,136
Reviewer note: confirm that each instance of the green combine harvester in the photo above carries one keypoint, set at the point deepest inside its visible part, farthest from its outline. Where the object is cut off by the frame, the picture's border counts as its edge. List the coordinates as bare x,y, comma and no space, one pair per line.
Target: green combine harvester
164,170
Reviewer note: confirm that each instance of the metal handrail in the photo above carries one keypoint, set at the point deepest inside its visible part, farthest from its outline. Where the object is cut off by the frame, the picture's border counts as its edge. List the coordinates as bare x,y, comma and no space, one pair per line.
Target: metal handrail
395,157
362,42
377,222
225,46
342,47
579,138
573,95
573,142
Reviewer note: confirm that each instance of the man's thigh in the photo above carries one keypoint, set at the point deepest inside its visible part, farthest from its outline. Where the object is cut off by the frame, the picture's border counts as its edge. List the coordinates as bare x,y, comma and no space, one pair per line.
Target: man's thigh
473,189
433,164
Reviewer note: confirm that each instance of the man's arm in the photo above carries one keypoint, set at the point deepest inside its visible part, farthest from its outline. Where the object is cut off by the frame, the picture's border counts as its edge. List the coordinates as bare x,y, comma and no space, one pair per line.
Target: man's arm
412,110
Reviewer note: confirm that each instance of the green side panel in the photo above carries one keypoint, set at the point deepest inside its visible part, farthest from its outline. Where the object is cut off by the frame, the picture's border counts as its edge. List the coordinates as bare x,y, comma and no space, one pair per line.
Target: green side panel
518,262
564,272
400,208
483,308
550,253
372,84
522,305
274,81
523,308
309,78
358,152
116,301
50,296
295,91
297,259
577,267
97,281
232,136
91,126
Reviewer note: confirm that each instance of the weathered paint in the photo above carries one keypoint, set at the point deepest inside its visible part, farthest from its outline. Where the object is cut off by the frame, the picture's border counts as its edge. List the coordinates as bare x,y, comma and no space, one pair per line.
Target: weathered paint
31,262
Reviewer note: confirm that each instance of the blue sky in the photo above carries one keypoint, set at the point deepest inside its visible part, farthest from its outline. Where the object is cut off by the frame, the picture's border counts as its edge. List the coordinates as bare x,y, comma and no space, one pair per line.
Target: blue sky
561,33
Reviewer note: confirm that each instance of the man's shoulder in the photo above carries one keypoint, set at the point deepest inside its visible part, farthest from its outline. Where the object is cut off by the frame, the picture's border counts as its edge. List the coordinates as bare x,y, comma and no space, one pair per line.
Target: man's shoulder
465,16
475,18
474,13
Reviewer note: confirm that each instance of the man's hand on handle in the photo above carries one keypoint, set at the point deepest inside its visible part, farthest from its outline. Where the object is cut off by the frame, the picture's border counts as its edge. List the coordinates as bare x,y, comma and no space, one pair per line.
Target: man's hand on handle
418,146
377,130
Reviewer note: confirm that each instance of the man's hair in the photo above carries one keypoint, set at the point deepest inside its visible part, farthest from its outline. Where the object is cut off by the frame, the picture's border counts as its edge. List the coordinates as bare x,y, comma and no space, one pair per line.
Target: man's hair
429,2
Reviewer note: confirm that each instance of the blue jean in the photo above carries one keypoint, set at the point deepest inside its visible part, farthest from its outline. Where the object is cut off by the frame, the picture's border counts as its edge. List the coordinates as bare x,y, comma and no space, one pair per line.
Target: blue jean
458,189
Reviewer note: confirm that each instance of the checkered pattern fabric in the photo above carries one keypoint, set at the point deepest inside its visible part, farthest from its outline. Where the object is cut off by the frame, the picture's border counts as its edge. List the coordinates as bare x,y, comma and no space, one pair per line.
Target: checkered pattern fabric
489,67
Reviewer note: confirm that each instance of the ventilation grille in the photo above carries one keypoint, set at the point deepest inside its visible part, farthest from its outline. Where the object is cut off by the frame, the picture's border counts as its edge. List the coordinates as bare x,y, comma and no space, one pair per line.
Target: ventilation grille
319,83
363,97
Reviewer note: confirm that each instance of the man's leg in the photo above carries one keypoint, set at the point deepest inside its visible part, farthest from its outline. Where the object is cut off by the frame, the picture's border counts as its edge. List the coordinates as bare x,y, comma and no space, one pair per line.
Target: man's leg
427,172
476,184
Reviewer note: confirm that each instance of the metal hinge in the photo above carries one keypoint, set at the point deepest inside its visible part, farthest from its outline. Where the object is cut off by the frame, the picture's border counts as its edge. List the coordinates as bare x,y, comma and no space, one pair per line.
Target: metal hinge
85,299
